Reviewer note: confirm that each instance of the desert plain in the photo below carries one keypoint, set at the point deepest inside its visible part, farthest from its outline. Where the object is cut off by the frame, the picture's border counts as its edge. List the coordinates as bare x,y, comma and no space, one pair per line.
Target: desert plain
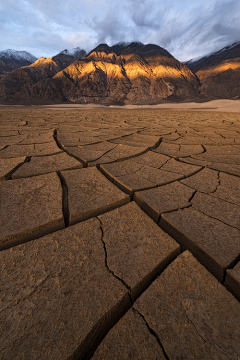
120,232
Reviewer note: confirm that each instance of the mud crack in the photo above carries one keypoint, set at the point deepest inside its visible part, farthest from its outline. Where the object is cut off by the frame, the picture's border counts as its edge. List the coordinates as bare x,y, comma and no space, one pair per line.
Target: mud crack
153,333
106,261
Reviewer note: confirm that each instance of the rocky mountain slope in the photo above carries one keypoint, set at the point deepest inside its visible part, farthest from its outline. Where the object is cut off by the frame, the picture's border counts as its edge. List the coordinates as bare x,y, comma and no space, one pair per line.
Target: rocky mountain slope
12,60
16,87
219,73
123,73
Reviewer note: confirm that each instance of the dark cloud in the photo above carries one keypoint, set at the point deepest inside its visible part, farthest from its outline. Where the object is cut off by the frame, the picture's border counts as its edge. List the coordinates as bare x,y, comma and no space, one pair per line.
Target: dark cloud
185,28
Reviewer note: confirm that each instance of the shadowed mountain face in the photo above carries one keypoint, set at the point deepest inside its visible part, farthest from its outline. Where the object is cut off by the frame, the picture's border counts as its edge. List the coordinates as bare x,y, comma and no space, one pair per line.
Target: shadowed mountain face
219,73
123,73
18,86
11,60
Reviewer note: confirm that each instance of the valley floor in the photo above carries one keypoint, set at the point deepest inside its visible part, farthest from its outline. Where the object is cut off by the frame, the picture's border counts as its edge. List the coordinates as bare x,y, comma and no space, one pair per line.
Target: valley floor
120,232
213,105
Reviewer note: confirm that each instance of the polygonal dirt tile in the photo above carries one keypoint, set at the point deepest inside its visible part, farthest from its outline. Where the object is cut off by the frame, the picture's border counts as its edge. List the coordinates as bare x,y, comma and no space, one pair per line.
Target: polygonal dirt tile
90,194
229,188
151,158
46,164
84,155
130,338
125,151
30,208
167,149
90,153
228,159
193,315
179,150
105,159
164,199
101,146
195,161
67,139
133,182
228,168
216,208
98,157
171,137
158,176
194,140
7,165
224,153
215,244
5,132
120,168
138,142
180,167
205,180
42,137
58,295
139,138
137,249
30,150
229,181
232,281
11,140
187,150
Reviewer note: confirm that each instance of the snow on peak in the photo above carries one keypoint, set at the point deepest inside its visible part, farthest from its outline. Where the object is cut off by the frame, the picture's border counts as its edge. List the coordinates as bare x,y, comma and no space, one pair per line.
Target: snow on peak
229,47
226,48
17,55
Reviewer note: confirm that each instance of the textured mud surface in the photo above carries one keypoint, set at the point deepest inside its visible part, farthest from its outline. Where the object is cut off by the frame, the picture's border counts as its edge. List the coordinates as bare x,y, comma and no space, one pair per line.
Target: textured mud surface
120,234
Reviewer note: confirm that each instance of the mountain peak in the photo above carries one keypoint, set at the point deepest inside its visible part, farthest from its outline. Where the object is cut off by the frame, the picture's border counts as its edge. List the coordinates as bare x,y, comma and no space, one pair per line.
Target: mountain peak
77,52
12,59
226,48
128,48
17,55
227,53
125,44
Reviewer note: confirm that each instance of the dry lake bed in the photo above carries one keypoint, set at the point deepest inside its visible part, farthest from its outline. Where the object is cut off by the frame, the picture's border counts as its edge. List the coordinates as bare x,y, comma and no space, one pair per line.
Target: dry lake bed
120,233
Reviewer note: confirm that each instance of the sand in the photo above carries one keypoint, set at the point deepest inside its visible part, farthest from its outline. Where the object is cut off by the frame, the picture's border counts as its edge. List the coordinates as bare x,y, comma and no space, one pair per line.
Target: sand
214,105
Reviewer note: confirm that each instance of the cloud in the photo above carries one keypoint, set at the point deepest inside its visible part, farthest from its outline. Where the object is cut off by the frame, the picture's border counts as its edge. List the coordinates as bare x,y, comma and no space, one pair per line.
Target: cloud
185,28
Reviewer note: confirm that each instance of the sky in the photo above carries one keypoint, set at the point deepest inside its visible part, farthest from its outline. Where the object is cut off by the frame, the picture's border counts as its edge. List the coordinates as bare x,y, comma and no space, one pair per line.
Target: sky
186,28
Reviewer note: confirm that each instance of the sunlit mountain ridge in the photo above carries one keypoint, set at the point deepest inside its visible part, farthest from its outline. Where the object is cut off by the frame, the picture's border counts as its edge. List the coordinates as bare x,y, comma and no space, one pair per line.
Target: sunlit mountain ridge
122,74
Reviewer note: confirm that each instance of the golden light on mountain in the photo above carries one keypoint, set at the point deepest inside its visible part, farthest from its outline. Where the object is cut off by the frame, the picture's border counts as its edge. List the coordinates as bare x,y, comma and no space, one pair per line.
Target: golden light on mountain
133,70
109,68
122,74
167,71
203,74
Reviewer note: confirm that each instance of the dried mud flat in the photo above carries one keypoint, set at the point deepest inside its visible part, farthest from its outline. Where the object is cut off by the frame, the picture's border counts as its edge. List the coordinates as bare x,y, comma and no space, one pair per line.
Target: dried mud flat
120,234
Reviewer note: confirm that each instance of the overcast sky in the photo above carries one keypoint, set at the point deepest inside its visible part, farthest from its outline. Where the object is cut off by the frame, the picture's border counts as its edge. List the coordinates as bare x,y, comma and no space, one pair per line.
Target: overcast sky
186,28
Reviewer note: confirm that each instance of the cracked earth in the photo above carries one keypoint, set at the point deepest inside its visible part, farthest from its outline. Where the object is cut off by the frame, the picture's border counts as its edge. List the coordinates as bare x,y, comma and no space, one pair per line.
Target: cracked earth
120,234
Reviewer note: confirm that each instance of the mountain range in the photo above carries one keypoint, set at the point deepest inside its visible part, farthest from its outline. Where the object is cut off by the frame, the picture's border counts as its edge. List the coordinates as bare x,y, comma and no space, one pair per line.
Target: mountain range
124,73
